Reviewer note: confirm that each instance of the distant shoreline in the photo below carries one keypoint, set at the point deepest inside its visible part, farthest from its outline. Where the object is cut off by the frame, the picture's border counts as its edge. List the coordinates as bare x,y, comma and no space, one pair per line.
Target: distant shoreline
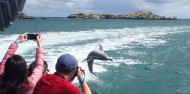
131,15
139,15
95,19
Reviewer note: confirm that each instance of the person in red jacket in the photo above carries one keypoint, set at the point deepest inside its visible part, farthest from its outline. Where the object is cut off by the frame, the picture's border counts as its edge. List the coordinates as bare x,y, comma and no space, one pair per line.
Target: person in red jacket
60,82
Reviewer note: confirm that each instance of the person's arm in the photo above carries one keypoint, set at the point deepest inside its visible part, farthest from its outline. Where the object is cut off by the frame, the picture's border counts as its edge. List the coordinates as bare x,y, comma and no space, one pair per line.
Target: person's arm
11,51
38,67
84,85
85,88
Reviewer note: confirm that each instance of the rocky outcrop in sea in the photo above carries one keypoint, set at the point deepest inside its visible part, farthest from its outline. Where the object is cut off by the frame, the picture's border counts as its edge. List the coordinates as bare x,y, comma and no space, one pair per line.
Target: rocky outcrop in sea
130,15
25,16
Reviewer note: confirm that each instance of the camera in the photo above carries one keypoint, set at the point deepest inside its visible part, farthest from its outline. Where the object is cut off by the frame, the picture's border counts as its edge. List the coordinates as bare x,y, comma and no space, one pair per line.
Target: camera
76,72
32,36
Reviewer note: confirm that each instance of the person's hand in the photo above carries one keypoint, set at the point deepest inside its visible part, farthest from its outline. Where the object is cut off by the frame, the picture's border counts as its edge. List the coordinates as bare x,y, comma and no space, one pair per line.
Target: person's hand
22,37
39,40
80,74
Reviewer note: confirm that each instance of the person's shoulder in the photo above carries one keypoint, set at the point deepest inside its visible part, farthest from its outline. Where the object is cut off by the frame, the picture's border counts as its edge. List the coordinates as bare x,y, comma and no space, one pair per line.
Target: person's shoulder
49,77
71,89
56,84
53,78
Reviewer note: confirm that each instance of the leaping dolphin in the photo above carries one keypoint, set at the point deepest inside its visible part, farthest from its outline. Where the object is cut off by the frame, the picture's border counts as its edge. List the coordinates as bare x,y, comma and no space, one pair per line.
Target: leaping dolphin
100,55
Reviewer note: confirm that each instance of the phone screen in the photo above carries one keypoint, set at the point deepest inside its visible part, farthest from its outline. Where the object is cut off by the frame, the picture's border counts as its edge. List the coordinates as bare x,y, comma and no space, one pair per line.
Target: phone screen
32,36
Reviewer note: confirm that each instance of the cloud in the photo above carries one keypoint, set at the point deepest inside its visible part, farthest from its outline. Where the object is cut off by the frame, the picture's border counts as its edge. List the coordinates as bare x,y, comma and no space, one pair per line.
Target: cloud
53,7
63,8
168,8
158,1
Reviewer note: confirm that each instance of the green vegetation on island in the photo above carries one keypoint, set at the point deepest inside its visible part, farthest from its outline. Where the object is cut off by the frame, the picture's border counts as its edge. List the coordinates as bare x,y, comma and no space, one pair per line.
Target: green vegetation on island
130,15
25,16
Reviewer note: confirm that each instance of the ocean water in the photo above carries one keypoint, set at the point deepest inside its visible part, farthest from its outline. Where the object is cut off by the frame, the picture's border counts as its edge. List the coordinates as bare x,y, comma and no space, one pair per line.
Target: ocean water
150,56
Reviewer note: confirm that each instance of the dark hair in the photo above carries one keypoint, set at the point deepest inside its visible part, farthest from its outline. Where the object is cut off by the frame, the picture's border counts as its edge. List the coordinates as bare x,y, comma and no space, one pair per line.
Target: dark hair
15,73
62,69
31,67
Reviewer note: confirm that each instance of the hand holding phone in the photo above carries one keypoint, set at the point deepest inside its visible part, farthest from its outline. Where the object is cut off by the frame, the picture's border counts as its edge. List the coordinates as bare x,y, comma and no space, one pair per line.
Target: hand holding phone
39,40
22,37
32,36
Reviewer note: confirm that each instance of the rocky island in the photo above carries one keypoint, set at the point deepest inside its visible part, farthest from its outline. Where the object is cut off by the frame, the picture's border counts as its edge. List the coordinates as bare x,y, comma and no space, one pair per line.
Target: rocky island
25,16
43,17
130,15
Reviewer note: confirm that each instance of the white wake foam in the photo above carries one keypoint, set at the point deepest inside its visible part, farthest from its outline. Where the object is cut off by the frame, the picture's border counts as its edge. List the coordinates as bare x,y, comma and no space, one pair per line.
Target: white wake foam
57,43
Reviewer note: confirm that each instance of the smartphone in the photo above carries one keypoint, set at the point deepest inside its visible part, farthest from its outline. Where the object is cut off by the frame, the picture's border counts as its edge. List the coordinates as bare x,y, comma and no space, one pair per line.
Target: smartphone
32,36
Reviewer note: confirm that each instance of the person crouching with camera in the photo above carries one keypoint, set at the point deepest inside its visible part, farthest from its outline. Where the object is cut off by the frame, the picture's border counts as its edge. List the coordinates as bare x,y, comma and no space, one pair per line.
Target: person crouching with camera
60,82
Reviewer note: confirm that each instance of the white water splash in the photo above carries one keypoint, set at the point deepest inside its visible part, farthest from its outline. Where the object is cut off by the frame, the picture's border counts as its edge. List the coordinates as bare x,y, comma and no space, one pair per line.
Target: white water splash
81,43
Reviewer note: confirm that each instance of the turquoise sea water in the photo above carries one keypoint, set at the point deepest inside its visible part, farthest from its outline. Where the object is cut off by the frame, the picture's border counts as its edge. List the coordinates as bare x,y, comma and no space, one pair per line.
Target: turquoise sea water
150,56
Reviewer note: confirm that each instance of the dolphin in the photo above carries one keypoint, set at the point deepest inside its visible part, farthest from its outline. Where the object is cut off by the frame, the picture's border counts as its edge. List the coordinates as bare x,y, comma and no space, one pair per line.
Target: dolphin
96,54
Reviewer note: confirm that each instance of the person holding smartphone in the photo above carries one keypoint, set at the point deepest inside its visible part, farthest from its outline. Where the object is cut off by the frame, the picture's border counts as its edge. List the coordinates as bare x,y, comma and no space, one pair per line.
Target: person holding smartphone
60,82
13,69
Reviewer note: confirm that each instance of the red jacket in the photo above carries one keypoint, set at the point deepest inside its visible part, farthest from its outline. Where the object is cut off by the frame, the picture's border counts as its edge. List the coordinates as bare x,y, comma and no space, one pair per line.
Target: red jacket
54,84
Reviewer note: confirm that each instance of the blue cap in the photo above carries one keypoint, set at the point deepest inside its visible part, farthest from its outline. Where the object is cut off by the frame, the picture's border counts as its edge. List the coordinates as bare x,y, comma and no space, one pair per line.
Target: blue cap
68,60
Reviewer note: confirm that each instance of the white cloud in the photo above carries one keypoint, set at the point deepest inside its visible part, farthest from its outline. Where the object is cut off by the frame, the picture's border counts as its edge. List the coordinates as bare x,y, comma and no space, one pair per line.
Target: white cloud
170,8
54,7
66,7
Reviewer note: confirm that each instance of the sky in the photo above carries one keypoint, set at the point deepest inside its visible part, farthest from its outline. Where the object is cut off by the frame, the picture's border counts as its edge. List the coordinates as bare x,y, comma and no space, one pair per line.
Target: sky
63,8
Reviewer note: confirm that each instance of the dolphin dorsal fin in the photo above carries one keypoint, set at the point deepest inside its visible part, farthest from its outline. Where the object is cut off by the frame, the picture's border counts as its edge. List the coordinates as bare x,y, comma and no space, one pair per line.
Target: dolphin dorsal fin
100,47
